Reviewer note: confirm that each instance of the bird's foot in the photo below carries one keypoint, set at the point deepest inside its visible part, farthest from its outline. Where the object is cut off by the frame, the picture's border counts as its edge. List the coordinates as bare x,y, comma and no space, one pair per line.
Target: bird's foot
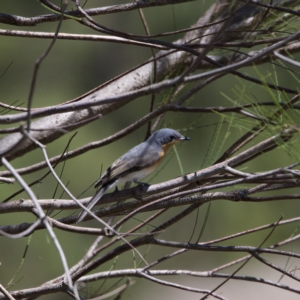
140,190
143,185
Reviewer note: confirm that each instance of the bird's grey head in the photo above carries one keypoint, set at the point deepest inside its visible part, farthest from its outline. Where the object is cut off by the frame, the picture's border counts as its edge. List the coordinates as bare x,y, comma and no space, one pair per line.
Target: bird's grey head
166,136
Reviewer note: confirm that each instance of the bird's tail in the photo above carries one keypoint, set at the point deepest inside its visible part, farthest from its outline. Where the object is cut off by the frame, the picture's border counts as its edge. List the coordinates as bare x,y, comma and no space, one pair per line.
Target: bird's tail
91,204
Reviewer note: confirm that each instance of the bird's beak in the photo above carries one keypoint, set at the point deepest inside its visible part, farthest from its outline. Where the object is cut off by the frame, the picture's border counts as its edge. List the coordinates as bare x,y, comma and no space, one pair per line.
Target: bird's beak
184,138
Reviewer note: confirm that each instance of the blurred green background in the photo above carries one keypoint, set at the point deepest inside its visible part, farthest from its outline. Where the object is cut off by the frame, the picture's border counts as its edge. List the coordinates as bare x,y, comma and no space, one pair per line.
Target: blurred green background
75,67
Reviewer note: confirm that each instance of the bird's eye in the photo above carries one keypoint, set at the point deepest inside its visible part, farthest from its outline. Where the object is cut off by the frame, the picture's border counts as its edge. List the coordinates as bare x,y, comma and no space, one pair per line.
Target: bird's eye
172,137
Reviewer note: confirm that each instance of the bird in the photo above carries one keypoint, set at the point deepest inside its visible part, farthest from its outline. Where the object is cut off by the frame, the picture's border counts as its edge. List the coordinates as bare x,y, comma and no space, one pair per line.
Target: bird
135,164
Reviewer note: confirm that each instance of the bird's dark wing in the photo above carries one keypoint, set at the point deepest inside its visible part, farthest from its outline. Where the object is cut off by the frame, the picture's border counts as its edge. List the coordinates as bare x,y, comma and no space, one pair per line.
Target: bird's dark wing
139,157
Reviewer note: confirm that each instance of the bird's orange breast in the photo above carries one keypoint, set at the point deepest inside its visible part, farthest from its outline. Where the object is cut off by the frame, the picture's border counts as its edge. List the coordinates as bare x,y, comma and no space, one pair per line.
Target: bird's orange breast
165,149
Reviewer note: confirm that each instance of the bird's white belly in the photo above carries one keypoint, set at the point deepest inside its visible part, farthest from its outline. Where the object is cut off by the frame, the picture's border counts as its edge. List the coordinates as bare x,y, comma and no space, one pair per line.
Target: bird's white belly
135,176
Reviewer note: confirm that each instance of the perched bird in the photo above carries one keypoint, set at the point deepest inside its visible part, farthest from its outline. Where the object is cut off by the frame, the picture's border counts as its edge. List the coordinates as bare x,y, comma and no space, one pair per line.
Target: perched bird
136,164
